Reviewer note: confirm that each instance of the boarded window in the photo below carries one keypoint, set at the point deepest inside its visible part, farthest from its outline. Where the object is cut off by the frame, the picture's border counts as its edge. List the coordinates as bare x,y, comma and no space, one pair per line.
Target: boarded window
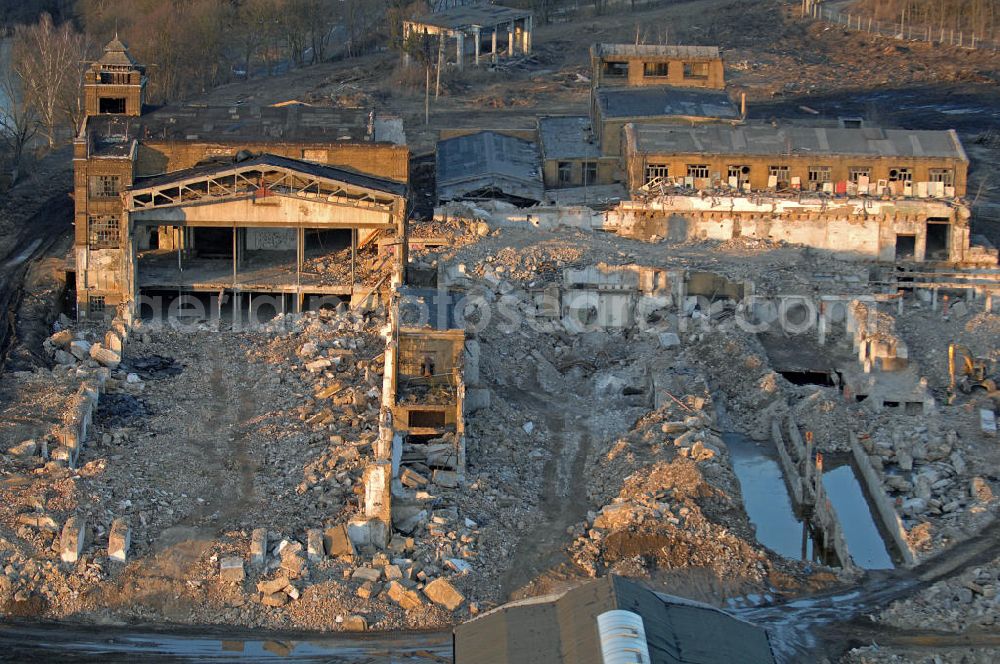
104,231
104,186
944,175
565,172
900,174
855,173
659,69
697,170
589,172
615,69
654,171
780,173
696,70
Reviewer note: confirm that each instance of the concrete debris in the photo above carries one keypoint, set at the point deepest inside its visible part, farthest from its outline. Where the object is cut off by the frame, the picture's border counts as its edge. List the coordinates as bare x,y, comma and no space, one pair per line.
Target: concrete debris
119,540
73,539
440,591
231,570
404,597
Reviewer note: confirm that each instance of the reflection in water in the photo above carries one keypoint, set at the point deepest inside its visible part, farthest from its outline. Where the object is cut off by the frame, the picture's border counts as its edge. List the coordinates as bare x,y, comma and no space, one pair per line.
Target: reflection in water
863,538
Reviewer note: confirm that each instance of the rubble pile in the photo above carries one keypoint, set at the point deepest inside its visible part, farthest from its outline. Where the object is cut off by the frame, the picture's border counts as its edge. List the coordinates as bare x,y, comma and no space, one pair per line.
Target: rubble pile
966,601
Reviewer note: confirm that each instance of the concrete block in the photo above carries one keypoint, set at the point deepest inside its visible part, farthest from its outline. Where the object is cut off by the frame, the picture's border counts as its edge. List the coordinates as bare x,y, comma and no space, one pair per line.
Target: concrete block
355,623
368,532
113,342
62,339
367,574
445,478
314,545
73,539
988,422
440,591
105,356
318,365
399,594
273,585
231,570
258,547
337,542
119,540
80,349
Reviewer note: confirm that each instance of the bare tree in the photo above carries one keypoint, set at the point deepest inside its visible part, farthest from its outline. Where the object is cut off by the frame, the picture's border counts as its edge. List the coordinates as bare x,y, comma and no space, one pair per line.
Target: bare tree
49,61
18,122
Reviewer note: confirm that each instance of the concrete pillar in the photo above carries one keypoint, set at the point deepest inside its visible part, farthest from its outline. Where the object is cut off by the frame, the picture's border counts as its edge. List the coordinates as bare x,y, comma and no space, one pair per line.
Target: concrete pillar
493,54
510,39
460,49
821,324
119,541
406,35
934,298
478,40
988,306
527,36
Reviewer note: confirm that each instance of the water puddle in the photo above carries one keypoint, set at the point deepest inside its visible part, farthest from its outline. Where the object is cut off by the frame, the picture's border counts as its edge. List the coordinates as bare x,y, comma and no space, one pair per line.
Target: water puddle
864,540
766,499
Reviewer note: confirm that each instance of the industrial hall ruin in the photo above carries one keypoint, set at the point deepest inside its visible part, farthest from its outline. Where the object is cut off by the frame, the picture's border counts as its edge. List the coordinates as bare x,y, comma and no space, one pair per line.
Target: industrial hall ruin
473,331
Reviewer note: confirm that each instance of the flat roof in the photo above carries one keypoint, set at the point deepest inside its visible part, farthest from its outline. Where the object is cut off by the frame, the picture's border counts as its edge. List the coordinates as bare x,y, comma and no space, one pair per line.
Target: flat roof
256,124
658,101
568,137
657,50
472,16
796,140
475,161
335,173
562,628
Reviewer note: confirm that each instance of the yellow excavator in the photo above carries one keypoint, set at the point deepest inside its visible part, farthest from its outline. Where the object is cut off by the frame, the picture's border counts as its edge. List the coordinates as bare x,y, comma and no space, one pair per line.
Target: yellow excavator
973,372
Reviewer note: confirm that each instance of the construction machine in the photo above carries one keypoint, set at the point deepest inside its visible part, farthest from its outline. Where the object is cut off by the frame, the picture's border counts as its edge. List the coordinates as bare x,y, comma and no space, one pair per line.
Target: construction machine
973,372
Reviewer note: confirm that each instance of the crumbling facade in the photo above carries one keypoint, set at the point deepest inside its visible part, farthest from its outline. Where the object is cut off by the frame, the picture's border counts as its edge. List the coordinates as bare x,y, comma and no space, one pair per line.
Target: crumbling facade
490,31
185,199
652,64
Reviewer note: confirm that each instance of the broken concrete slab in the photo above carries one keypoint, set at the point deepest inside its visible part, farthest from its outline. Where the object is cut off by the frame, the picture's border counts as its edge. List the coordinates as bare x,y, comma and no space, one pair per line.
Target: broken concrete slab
105,356
71,543
41,521
337,542
355,623
277,584
231,570
368,589
445,478
988,422
258,547
412,479
119,540
314,545
367,574
80,349
440,591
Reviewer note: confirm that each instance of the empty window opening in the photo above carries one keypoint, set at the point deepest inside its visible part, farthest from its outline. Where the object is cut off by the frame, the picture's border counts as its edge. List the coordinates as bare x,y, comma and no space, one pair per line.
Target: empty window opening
914,408
654,171
852,123
697,170
565,172
809,377
213,243
818,176
104,231
589,172
739,171
696,70
426,418
657,69
937,239
900,174
944,175
615,69
891,404
112,105
906,247
104,186
96,305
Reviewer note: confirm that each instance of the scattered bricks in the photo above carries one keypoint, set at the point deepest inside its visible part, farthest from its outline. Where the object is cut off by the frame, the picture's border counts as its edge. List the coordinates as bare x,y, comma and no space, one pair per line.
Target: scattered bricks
337,542
274,599
273,586
393,573
318,365
41,521
258,547
314,545
329,391
367,574
446,478
407,599
231,570
320,418
368,589
411,478
355,623
119,540
113,342
72,540
105,356
440,591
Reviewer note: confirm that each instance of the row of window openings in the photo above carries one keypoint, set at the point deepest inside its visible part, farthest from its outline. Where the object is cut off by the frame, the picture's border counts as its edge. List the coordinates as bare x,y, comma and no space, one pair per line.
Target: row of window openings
692,70
588,171
103,231
817,174
105,186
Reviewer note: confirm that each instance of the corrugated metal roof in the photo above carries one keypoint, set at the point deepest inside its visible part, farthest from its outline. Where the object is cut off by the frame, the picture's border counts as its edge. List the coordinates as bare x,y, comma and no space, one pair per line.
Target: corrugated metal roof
568,137
488,159
563,629
663,101
768,139
657,50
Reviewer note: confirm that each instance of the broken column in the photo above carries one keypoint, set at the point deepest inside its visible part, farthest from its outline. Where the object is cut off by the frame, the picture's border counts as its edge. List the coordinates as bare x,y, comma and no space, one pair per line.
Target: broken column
119,540
258,547
373,529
